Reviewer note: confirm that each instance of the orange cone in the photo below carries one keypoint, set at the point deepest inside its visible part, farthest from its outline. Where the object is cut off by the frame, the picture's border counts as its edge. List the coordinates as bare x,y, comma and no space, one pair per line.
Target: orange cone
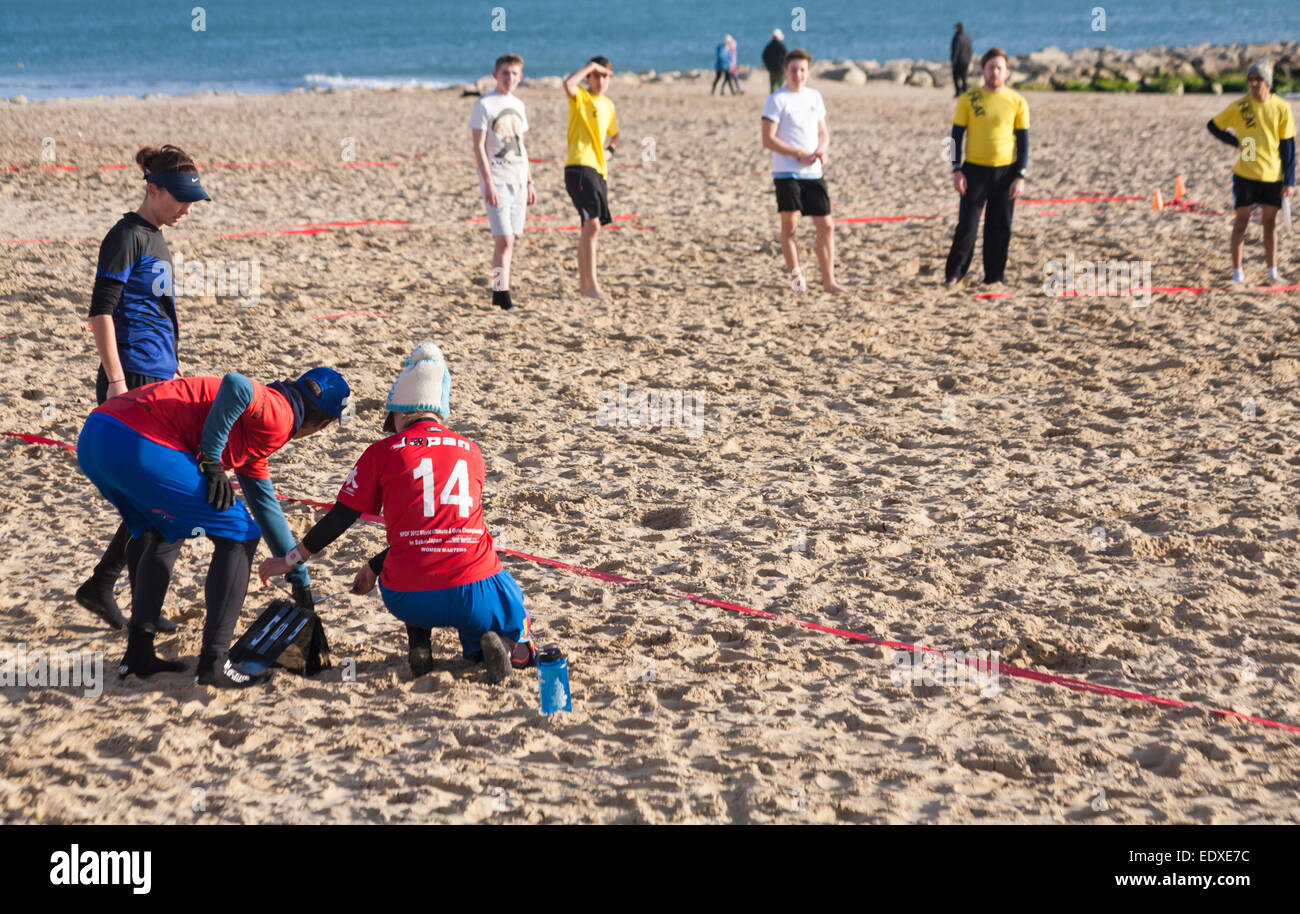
1156,202
1180,189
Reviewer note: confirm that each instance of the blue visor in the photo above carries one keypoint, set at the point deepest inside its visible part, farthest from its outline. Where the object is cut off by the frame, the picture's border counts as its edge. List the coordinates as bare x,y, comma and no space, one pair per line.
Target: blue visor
183,185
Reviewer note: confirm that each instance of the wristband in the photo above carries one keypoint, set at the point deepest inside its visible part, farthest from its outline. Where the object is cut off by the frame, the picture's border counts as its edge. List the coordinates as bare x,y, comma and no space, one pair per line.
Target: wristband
116,380
297,555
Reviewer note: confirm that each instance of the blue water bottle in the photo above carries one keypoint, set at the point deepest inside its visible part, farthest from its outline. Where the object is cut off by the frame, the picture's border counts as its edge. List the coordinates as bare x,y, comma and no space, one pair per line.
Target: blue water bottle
553,678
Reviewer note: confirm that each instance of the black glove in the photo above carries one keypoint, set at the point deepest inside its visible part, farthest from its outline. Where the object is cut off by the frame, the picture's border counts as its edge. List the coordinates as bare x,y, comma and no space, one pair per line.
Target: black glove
221,494
302,596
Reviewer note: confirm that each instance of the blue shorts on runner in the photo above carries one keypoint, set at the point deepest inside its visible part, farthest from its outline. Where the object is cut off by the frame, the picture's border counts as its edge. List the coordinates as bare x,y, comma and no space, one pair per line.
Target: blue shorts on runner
494,604
155,486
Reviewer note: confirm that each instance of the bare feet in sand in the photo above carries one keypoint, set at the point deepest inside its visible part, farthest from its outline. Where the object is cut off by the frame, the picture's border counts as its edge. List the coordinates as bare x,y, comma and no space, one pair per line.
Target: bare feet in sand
596,294
833,287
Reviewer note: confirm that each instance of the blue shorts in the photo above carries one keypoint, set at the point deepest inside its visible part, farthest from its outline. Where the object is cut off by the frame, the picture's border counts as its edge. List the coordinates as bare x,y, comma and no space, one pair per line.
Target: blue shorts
494,604
153,485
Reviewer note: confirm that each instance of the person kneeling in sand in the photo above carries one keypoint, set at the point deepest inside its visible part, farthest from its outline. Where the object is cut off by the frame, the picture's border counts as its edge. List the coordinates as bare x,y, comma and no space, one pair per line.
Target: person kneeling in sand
440,569
794,128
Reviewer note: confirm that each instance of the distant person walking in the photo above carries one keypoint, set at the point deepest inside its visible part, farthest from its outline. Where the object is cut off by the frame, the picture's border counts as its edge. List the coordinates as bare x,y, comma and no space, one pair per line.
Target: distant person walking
995,122
721,66
774,60
733,67
960,57
1265,169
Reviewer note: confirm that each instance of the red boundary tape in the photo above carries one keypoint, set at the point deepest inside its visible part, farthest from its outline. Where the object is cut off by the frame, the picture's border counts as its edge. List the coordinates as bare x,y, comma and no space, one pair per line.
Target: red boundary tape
1077,685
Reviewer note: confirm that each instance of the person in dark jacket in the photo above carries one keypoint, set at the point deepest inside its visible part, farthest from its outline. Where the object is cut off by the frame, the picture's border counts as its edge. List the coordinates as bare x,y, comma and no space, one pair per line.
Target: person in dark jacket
960,56
774,60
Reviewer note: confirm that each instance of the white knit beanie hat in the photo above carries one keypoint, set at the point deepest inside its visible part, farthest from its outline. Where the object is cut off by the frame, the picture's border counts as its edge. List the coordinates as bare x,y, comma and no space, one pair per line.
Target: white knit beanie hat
423,386
1264,69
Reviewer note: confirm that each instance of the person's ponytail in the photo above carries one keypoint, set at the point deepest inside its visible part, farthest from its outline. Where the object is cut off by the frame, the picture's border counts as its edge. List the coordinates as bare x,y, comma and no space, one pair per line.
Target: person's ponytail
167,160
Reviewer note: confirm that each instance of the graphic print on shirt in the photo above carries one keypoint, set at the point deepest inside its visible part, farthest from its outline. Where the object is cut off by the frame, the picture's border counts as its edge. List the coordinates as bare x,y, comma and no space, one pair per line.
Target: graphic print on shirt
508,126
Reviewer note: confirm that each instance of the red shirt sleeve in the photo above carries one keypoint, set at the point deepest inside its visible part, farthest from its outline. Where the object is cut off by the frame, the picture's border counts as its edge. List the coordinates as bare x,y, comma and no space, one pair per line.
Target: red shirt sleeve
361,490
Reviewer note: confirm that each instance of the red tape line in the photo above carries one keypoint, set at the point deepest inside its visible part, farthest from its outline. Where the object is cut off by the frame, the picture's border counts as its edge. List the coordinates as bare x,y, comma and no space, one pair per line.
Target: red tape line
848,220
1077,685
1092,199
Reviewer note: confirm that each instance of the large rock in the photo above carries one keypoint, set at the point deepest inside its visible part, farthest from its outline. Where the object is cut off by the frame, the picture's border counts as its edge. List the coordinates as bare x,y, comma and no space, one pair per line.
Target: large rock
897,71
849,75
1050,57
921,78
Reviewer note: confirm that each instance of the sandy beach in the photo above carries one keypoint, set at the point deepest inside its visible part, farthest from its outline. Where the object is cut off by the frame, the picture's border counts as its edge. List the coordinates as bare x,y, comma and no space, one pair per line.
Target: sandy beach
1089,488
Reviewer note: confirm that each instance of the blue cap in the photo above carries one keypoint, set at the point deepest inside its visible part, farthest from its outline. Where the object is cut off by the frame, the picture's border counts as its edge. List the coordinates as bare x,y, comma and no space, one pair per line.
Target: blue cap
183,185
334,391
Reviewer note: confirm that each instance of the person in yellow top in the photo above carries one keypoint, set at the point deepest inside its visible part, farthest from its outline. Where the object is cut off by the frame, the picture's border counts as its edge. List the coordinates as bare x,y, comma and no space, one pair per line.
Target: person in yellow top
593,140
1265,169
995,122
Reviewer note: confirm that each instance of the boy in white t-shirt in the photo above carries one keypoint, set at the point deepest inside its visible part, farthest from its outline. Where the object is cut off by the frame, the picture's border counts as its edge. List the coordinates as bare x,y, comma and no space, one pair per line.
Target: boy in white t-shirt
794,128
497,126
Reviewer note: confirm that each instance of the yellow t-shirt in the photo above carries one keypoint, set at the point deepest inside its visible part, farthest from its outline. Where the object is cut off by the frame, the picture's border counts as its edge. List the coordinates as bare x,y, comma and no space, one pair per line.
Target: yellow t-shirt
591,122
991,120
1266,125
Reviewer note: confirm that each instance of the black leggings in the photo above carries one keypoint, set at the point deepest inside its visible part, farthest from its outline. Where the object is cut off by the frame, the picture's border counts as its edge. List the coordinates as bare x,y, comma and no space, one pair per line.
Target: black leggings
989,186
110,565
726,81
149,562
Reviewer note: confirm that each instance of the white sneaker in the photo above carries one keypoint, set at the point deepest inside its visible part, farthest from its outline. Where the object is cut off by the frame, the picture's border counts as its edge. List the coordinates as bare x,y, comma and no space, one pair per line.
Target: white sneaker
1238,275
1273,276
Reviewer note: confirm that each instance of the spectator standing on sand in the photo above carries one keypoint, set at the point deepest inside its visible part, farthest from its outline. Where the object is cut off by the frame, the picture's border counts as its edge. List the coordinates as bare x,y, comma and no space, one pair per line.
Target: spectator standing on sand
1265,171
133,317
774,60
497,126
995,122
593,141
794,129
960,55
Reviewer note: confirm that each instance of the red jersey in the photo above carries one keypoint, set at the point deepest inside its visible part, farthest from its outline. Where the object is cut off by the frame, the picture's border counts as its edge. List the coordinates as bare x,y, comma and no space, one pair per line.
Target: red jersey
428,483
172,414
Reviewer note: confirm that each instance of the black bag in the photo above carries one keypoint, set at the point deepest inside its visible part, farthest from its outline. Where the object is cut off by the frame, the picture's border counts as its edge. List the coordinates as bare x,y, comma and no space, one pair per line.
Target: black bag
285,635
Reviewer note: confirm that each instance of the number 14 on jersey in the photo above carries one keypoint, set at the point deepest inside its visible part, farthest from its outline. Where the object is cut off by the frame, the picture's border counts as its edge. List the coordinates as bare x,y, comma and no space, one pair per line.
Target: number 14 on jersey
454,492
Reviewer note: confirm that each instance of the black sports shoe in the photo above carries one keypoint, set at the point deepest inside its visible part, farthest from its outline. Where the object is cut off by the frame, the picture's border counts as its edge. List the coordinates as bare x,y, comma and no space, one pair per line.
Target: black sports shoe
501,298
215,669
140,660
97,597
522,655
496,657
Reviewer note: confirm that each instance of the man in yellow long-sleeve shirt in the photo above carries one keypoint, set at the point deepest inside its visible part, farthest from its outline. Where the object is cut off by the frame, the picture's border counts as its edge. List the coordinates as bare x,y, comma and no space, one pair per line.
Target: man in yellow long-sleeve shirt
995,123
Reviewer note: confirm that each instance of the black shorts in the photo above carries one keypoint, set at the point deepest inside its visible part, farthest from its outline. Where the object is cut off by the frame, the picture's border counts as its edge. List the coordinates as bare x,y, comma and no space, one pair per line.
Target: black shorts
802,195
1246,192
132,382
588,192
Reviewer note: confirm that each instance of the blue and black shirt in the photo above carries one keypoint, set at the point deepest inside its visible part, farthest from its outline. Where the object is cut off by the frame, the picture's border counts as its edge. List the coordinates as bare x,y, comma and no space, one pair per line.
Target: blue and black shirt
134,284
